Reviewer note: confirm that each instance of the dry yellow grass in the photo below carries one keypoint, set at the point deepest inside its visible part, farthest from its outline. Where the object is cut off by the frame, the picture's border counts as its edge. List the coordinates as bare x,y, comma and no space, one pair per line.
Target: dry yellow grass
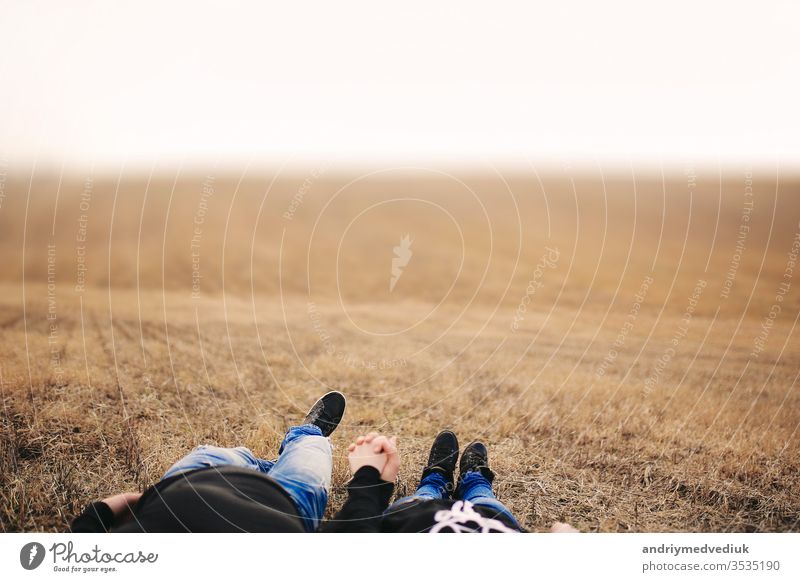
662,413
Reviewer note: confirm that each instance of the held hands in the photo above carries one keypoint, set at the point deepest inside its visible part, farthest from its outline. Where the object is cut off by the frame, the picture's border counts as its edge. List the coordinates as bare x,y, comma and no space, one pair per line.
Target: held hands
375,450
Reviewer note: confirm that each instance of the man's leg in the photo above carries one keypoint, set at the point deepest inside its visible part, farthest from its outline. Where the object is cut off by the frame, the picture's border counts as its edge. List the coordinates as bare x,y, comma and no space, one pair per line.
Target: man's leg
303,469
210,456
477,489
305,460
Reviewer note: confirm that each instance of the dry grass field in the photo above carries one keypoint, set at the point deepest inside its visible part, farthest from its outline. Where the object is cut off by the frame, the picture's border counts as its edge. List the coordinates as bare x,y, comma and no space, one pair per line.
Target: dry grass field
625,344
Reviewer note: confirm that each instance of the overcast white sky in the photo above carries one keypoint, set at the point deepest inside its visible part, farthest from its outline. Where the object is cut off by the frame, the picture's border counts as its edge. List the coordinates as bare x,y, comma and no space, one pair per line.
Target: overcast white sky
368,82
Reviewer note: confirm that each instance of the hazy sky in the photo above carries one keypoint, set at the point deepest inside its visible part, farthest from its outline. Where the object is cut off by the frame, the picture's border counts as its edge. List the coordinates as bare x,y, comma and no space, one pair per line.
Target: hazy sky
363,82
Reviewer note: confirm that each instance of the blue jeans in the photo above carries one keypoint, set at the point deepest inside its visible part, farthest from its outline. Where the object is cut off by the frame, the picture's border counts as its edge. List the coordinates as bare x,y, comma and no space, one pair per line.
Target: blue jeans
474,488
303,468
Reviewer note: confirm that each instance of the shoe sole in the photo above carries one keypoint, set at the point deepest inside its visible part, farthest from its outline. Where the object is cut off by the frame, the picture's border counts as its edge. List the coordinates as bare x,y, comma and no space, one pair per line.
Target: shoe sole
344,408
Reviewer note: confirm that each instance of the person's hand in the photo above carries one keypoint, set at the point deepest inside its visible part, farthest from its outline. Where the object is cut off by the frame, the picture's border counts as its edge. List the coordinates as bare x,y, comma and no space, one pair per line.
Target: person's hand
121,505
560,527
377,451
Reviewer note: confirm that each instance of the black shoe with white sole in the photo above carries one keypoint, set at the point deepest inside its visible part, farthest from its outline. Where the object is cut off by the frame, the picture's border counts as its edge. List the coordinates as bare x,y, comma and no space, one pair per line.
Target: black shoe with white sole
327,412
442,458
475,458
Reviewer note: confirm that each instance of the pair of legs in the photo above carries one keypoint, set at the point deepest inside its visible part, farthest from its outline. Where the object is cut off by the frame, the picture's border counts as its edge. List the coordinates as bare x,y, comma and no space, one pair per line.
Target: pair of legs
474,484
474,487
304,464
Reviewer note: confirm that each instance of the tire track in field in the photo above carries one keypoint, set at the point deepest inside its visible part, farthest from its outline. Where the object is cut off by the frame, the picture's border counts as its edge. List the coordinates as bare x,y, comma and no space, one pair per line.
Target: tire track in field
129,331
187,353
105,343
11,322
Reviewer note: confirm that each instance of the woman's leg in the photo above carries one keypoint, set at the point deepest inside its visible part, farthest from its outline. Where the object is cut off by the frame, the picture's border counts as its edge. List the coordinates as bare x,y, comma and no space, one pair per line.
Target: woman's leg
432,486
477,489
303,469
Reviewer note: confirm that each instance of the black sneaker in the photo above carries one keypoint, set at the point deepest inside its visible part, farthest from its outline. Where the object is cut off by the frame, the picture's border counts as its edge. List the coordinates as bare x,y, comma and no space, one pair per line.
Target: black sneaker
442,458
475,458
327,412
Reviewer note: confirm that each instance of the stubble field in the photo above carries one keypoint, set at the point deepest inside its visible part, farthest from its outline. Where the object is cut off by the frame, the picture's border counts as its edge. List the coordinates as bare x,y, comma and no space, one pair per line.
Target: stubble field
625,344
